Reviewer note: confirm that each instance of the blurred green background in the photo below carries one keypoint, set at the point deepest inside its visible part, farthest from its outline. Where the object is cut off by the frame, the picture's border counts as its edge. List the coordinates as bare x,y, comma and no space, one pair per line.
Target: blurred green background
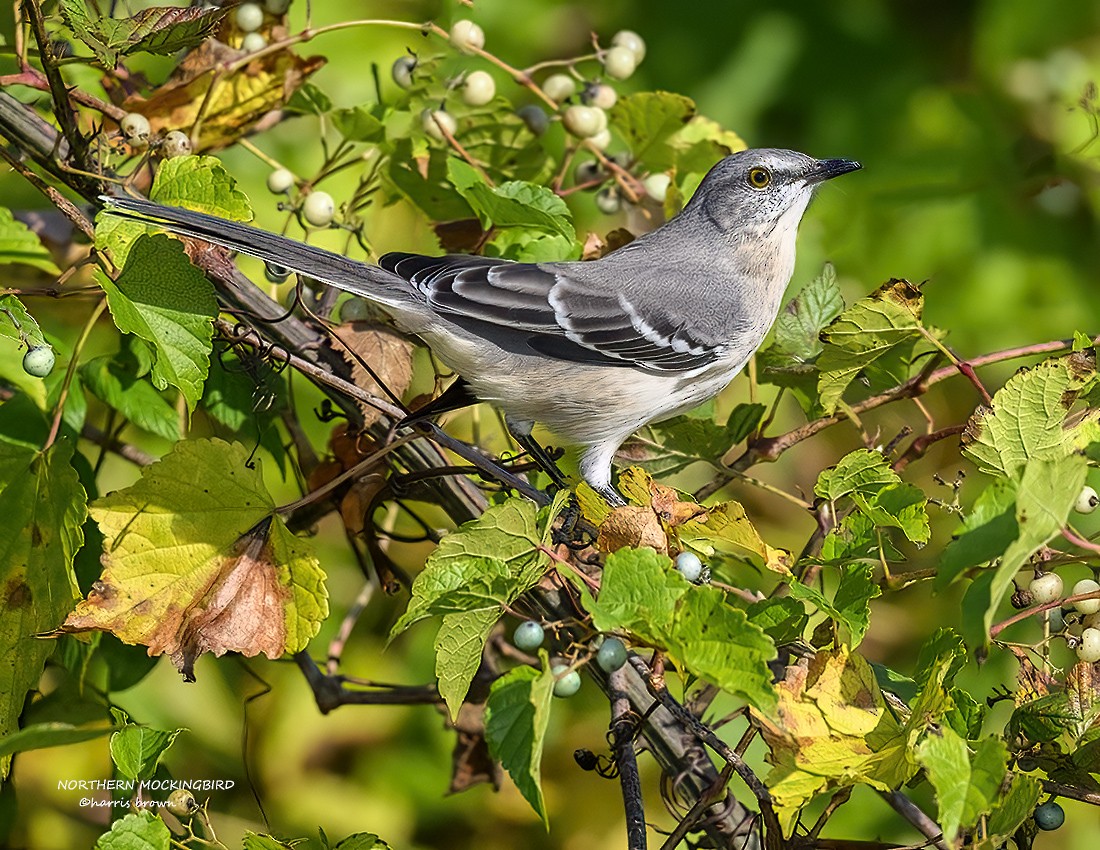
980,178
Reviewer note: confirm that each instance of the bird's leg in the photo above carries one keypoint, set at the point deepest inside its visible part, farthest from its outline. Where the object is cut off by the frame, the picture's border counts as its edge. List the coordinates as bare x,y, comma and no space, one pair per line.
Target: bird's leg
521,432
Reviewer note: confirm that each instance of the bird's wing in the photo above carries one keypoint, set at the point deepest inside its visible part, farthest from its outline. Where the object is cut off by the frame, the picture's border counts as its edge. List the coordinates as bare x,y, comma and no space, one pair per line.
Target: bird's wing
555,310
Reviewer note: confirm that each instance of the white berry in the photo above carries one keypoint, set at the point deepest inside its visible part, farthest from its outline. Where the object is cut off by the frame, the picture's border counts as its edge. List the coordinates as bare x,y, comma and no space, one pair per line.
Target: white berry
479,88
249,17
584,121
38,361
252,42
608,201
1086,606
466,36
601,95
569,683
689,565
656,186
279,181
135,127
1045,588
632,42
601,140
619,63
319,209
1089,648
435,121
1087,501
176,143
559,87
402,71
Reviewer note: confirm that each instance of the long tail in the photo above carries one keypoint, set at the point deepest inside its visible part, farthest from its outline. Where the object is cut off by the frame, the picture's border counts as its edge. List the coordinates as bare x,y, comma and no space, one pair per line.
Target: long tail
364,279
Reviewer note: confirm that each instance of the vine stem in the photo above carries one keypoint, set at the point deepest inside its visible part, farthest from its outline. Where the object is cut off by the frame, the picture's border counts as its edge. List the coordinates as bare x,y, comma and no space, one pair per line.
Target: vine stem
59,411
997,628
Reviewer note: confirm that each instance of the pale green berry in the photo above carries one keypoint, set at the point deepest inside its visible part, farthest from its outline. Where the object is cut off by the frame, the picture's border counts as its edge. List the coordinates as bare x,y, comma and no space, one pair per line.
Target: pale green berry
276,273
467,36
559,87
402,71
587,171
249,17
528,636
1046,588
318,209
252,42
277,7
1087,501
611,655
435,121
1088,650
479,88
689,565
1086,606
135,127
600,141
568,684
182,803
656,186
632,42
38,361
583,121
176,143
600,94
280,181
619,63
608,201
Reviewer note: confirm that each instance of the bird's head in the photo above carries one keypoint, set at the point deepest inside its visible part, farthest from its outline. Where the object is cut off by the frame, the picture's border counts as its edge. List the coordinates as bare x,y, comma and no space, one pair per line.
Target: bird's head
764,191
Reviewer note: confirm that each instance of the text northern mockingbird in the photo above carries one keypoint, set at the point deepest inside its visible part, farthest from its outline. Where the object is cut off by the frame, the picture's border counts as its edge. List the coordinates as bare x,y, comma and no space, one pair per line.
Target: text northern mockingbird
592,350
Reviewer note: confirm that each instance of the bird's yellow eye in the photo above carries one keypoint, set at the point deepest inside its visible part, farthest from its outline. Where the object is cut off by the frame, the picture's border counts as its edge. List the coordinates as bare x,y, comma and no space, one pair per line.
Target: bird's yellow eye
759,178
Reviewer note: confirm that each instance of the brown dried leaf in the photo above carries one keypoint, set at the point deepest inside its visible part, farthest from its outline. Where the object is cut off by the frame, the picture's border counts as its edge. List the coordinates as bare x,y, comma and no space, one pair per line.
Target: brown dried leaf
471,763
632,526
387,353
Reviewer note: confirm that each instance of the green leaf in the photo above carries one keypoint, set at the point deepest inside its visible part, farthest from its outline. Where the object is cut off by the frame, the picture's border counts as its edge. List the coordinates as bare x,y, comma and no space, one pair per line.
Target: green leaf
430,191
513,204
851,604
531,246
516,716
358,125
967,785
20,325
985,533
309,100
1027,417
159,30
42,511
867,331
866,478
136,831
42,735
160,297
137,750
647,121
200,183
18,244
362,841
1010,812
1046,493
196,561
638,592
743,420
111,379
255,841
782,619
799,325
484,564
458,647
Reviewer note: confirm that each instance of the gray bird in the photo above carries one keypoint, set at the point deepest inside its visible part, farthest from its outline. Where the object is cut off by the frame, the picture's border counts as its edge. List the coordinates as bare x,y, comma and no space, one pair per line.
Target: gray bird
592,350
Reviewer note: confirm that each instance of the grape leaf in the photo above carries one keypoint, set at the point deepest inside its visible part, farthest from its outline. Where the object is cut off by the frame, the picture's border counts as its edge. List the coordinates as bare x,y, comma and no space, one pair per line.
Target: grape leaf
42,511
136,750
52,734
867,331
985,533
196,561
516,717
136,831
18,324
162,298
516,203
647,121
1027,416
967,785
851,603
157,30
878,492
112,380
18,244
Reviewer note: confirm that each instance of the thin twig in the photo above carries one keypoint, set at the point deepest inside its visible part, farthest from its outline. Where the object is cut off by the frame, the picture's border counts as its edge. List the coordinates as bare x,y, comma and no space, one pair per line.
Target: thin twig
912,813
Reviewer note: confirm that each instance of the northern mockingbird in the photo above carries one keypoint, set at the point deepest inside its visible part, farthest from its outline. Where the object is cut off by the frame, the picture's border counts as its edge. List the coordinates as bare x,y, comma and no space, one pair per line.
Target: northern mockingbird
592,350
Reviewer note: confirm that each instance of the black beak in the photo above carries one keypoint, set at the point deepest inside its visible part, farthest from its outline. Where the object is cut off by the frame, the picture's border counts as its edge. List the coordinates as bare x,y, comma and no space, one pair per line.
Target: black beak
827,169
